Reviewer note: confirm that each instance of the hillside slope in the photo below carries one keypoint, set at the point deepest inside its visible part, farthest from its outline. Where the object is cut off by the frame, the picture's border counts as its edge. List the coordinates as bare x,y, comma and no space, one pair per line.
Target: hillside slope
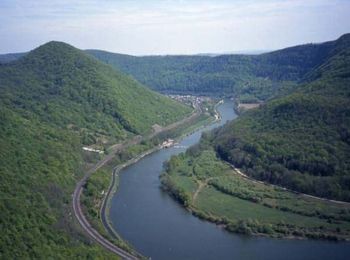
66,87
300,141
9,57
249,77
53,100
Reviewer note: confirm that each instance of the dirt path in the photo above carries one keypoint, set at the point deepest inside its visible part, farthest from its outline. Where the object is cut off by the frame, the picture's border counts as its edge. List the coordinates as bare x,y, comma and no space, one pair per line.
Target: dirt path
201,185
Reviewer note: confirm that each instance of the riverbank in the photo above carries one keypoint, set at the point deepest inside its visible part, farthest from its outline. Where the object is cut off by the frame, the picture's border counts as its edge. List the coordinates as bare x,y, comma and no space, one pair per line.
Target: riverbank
94,195
169,231
252,208
184,131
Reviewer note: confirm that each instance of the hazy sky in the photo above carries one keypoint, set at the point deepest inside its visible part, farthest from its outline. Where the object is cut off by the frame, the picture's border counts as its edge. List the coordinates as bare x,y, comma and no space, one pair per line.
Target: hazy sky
171,26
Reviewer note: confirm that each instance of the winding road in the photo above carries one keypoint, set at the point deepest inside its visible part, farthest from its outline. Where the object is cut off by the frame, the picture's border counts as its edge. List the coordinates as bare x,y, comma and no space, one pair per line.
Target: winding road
90,230
93,233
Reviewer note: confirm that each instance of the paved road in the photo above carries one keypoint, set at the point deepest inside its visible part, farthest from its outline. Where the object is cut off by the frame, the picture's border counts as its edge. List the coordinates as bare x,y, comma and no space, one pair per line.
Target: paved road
79,187
90,230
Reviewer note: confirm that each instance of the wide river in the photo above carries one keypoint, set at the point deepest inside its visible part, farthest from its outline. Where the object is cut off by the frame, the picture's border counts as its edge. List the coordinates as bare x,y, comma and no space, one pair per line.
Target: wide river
158,227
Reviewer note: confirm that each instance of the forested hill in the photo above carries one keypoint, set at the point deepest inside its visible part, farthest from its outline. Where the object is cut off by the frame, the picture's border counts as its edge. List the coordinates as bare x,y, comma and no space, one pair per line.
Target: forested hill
52,101
300,141
64,86
250,77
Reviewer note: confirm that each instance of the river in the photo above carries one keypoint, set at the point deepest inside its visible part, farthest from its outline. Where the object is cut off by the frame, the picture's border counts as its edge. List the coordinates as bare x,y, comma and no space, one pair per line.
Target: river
158,227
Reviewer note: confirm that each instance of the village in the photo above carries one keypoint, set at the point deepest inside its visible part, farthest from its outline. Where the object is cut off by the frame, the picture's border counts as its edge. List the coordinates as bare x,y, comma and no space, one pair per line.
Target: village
189,99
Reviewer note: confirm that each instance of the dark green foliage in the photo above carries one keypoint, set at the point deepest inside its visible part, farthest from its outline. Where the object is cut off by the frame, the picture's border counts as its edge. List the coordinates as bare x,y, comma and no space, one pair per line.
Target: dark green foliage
249,77
6,58
212,191
222,75
66,87
177,192
52,101
39,166
300,141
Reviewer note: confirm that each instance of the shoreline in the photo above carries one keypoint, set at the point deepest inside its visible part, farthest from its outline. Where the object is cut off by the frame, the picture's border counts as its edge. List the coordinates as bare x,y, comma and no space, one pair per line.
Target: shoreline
80,215
220,222
113,187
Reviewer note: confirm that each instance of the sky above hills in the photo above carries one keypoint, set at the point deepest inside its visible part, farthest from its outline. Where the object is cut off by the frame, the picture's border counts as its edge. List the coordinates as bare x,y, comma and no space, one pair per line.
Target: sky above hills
171,26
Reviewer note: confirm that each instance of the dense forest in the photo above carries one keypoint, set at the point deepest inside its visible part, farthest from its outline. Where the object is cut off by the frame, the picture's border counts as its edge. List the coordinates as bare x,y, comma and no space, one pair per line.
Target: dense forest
250,78
300,141
6,58
54,100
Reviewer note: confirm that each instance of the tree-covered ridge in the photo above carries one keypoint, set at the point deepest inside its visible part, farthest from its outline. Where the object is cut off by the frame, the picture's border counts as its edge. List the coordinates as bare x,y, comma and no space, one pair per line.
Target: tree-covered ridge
52,101
250,77
300,141
66,87
222,75
8,57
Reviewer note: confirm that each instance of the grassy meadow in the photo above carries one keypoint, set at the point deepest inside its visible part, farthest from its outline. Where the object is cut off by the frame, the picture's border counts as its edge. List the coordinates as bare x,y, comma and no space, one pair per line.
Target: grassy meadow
212,190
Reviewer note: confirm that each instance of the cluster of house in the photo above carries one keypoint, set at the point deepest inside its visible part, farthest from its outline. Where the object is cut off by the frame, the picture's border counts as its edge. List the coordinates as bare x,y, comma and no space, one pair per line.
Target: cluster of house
168,143
189,99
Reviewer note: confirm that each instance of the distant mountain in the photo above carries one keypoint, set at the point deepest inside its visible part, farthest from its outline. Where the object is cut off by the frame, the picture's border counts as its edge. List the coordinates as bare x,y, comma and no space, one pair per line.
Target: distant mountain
250,77
6,58
302,140
53,100
242,52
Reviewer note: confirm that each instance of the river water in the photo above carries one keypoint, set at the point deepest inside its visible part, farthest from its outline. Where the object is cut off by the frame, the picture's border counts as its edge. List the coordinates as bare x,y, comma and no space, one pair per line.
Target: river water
158,227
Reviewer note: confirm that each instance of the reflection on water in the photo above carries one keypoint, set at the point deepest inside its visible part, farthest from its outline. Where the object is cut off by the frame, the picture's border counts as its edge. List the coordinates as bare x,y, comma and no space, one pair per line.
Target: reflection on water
159,227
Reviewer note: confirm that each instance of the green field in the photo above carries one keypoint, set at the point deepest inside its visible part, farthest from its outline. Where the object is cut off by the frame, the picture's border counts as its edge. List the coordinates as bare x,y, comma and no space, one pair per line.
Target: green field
214,191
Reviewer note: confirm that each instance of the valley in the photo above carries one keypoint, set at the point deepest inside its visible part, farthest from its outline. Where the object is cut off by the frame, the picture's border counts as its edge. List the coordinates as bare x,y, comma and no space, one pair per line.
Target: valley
71,118
140,204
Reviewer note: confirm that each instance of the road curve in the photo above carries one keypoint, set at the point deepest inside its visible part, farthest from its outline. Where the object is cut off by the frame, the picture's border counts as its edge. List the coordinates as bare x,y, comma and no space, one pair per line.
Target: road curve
79,187
90,230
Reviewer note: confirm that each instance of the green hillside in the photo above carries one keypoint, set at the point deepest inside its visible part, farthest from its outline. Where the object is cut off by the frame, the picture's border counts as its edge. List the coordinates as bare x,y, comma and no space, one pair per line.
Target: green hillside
54,100
6,58
249,77
68,88
300,141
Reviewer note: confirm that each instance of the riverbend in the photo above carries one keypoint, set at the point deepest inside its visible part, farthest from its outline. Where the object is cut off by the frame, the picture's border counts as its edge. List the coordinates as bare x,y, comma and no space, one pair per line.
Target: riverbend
158,227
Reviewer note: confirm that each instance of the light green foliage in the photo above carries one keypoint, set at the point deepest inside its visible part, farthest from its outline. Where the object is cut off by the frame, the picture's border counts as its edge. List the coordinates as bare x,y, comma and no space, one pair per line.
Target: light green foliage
67,88
39,166
300,141
54,100
250,207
